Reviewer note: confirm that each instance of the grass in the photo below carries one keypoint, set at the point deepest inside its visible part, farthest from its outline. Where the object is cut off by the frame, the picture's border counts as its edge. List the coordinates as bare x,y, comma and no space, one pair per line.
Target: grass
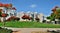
28,24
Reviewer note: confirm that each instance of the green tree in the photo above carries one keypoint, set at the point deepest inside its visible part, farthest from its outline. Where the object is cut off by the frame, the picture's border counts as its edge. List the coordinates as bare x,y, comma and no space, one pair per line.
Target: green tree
52,17
58,15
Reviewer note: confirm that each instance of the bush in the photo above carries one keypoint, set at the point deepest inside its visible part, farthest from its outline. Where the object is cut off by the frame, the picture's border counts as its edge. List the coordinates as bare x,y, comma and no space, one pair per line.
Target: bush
4,30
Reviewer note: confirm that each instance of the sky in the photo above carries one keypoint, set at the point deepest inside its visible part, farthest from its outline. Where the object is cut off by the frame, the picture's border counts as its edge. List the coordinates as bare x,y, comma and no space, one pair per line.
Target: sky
39,6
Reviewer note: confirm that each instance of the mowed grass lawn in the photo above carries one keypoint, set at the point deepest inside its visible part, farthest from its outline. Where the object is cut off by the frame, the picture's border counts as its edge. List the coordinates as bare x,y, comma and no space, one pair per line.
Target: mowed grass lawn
27,24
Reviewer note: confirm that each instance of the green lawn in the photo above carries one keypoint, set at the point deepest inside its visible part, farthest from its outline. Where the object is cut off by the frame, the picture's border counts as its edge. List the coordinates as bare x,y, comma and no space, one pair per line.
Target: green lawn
29,25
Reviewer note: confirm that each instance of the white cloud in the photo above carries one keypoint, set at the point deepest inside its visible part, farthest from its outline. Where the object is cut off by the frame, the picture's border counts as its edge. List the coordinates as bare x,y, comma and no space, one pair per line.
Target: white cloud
33,5
28,12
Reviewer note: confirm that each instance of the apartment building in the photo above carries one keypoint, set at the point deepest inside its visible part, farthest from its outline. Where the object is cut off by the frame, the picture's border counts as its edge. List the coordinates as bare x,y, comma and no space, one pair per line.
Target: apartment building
7,9
31,14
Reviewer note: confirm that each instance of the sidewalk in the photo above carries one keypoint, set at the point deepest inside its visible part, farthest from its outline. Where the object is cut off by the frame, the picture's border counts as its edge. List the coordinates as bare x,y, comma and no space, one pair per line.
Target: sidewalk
29,30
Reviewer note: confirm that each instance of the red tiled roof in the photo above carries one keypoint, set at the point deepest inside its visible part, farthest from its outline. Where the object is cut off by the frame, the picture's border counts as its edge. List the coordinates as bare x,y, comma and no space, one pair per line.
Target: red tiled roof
4,15
5,5
25,17
1,4
8,5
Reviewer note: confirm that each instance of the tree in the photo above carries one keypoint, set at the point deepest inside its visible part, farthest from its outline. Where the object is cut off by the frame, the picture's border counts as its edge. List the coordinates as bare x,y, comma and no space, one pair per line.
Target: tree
4,18
58,11
49,17
52,17
55,15
3,15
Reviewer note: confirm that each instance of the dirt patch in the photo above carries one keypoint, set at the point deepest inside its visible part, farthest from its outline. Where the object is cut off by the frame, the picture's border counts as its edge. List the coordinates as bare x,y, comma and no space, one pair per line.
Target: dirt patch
40,32
16,32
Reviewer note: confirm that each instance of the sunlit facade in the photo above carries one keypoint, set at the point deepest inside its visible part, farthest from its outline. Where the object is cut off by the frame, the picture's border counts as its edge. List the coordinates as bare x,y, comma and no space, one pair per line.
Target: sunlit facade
7,9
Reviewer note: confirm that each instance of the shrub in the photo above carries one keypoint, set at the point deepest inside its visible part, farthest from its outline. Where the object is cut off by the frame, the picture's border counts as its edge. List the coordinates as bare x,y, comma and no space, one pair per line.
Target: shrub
4,30
13,18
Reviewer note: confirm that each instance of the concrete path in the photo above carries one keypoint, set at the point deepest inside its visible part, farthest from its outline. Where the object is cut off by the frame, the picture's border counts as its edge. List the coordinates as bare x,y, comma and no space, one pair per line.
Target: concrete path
29,30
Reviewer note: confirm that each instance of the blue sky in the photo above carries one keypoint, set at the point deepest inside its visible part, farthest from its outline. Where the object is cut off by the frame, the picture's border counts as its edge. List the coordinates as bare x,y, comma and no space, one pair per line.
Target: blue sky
40,6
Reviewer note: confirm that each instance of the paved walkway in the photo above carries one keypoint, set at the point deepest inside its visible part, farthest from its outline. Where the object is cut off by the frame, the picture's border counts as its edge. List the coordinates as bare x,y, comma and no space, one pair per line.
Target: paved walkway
29,30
